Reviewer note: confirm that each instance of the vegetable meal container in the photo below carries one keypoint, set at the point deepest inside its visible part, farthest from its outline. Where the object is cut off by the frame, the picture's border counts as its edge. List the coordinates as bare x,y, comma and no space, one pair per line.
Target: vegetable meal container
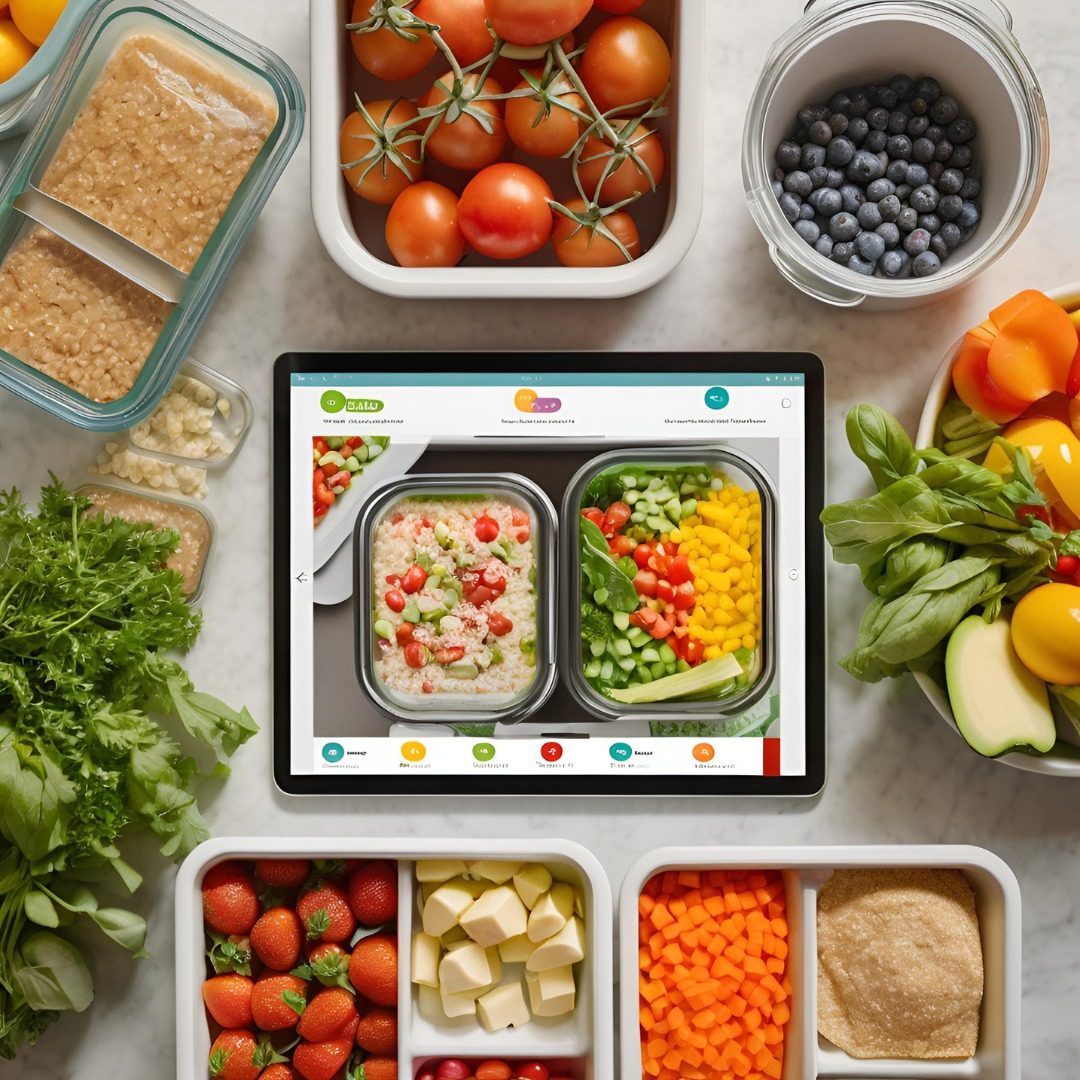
706,604
132,230
804,871
455,589
579,1040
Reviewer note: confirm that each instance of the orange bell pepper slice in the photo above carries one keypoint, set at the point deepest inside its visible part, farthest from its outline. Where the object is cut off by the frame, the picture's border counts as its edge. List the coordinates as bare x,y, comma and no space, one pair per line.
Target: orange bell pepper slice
1035,346
972,381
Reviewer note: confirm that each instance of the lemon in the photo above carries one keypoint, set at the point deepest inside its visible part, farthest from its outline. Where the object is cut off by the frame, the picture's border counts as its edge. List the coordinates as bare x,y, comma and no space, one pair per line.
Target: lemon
36,18
15,50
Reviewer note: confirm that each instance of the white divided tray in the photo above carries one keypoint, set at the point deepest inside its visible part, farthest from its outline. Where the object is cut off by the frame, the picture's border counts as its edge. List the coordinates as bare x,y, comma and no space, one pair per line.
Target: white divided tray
580,1045
807,1056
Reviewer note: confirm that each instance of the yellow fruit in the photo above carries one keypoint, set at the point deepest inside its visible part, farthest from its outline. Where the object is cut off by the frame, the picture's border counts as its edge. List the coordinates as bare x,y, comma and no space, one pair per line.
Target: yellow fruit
1055,453
36,18
15,50
1046,633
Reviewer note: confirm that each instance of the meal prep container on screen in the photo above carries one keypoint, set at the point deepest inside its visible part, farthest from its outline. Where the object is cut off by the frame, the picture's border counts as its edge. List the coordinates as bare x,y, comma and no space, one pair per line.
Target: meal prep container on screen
807,1056
352,229
967,44
742,470
459,708
103,29
581,1043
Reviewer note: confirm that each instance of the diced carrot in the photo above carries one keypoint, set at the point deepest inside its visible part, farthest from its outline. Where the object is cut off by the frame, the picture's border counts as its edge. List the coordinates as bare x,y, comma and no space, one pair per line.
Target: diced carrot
780,927
714,905
672,1059
660,916
677,906
756,880
781,1014
689,878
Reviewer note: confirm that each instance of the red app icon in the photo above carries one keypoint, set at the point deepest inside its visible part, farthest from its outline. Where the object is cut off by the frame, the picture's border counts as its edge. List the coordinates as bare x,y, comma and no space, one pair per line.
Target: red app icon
551,751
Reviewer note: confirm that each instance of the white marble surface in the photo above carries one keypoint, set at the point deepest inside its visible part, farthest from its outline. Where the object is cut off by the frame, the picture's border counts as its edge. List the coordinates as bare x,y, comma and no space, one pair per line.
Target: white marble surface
896,773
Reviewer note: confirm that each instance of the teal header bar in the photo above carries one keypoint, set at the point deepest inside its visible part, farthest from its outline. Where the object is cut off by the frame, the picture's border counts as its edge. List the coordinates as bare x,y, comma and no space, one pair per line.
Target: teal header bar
361,379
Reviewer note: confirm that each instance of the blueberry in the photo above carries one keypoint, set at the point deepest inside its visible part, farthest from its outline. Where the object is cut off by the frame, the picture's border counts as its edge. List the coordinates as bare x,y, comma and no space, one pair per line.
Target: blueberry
950,233
808,231
907,219
875,142
897,171
891,263
777,188
889,208
938,246
950,182
838,123
818,176
839,151
961,130
963,158
840,102
879,189
843,226
806,212
860,104
916,175
934,133
811,114
860,265
827,201
944,150
969,215
945,110
917,126
864,167
903,191
869,216
925,264
834,178
966,233
857,130
870,245
919,106
969,189
934,171
790,203
887,97
843,251
903,86
824,245
878,119
897,123
801,135
853,197
930,222
916,242
812,156
799,182
820,132
788,155
899,147
922,150
889,233
928,89
949,207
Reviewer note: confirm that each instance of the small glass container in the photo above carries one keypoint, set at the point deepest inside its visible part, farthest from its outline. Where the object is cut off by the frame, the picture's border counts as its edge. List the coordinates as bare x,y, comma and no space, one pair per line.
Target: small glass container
716,464
450,555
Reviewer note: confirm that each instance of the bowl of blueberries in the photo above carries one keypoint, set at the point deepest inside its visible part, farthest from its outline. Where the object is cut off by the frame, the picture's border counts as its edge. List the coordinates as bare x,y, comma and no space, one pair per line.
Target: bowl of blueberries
894,148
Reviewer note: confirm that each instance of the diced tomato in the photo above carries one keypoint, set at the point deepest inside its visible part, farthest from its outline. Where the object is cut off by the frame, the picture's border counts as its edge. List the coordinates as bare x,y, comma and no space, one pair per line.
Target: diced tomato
404,633
681,631
393,579
665,591
695,651
643,617
659,562
450,654
595,515
427,687
486,529
414,578
499,624
342,479
321,492
494,578
416,655
680,570
521,521
685,597
397,519
621,545
354,443
395,600
319,446
616,516
682,618
479,595
320,508
645,583
641,555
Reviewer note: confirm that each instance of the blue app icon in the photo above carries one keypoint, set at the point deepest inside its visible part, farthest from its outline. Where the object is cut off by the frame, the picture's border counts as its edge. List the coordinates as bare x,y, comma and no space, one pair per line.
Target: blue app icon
620,751
717,397
333,752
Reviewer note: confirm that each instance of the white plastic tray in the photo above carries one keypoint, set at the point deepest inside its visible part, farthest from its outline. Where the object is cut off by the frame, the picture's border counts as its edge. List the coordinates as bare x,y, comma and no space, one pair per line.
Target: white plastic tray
805,870
582,1042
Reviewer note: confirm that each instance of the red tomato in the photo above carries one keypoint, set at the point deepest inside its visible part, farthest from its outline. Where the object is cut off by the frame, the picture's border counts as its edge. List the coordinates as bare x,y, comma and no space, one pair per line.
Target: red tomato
463,143
534,22
387,55
493,1070
416,655
695,651
462,25
494,577
505,211
414,578
626,62
422,227
545,127
320,446
615,517
618,7
380,181
621,545
680,570
451,1069
521,521
486,529
583,245
624,178
404,633
395,600
645,583
533,1071
1067,565
499,624
665,591
685,597
595,515
641,555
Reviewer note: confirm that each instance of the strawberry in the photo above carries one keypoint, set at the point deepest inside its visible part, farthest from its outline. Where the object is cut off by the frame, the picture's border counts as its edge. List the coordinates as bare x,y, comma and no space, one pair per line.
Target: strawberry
283,873
321,1061
228,1000
325,913
373,968
280,1071
277,1001
230,903
377,1032
276,938
377,1068
327,1015
373,893
237,1055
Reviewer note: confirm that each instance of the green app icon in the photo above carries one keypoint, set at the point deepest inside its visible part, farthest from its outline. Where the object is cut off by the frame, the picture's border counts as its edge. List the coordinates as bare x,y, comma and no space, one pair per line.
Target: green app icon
483,751
333,401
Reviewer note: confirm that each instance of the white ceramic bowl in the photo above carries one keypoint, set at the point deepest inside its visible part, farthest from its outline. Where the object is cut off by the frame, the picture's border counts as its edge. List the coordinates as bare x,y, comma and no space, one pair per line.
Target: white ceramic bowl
940,389
805,870
352,230
582,1042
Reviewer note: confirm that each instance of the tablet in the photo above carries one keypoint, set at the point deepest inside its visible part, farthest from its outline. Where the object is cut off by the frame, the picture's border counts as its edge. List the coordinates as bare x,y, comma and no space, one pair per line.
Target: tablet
576,573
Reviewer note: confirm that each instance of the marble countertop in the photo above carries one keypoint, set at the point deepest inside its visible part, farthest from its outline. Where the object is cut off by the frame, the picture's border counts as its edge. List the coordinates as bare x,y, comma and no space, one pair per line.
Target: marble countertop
897,774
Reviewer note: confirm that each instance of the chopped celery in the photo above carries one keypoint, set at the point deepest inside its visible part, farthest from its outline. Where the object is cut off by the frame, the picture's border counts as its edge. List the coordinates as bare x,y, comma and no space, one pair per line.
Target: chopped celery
592,670
667,654
659,669
621,619
627,663
597,647
623,646
649,655
704,677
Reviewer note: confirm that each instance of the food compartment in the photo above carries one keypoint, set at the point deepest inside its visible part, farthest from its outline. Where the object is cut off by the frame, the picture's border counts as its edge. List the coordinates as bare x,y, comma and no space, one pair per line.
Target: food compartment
496,1069
670,558
455,587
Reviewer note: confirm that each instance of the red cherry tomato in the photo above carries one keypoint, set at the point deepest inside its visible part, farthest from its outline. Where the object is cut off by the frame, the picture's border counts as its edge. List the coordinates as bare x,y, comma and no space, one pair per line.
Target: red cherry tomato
462,25
625,178
505,211
414,578
494,1070
584,245
404,633
618,7
595,515
486,529
1067,565
422,227
387,55
625,62
417,656
695,651
395,600
494,577
641,555
621,545
533,1071
499,624
384,181
685,597
534,22
615,517
521,521
680,570
463,143
453,1069
665,591
545,129
645,583
1040,513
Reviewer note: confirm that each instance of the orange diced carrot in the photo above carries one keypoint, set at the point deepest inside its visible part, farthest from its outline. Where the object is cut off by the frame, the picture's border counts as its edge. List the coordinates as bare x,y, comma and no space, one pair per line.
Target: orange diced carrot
651,1068
656,1048
689,938
753,948
652,886
769,983
672,1059
781,1014
714,905
704,1019
741,1065
762,1056
780,927
671,881
690,878
716,878
737,1005
651,989
757,996
772,1070
772,1034
646,1019
776,909
732,1029
749,902
754,966
701,958
677,906
660,916
734,954
692,1057
754,1044
751,1019
756,880
698,1040
710,926
781,950
645,904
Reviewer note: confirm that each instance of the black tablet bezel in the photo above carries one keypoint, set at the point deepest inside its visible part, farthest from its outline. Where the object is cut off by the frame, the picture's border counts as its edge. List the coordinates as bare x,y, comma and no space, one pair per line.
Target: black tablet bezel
415,783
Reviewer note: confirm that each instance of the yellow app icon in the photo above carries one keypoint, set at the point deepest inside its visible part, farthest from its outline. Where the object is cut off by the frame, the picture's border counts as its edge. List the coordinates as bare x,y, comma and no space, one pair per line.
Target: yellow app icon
413,751
523,400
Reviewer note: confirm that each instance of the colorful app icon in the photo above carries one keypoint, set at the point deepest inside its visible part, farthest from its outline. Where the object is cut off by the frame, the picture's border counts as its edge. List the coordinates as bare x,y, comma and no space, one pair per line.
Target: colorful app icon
483,751
704,752
528,401
413,751
551,751
620,751
333,752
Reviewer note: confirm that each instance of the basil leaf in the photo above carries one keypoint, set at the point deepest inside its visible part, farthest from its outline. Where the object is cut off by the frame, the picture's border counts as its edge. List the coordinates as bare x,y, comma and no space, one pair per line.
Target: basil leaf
881,444
210,720
124,927
35,799
52,974
39,909
1071,544
603,572
909,563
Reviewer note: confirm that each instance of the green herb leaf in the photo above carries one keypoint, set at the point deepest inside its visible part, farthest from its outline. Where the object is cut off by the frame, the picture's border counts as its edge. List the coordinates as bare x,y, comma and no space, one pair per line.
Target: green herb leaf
53,975
210,720
1069,546
881,444
602,571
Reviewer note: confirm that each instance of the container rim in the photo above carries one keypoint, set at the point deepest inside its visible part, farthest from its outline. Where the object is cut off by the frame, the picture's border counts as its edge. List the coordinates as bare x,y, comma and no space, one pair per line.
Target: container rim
41,65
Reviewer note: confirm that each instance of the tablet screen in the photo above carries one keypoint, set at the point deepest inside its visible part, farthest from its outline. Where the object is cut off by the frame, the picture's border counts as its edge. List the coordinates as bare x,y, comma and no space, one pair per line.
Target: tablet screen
575,580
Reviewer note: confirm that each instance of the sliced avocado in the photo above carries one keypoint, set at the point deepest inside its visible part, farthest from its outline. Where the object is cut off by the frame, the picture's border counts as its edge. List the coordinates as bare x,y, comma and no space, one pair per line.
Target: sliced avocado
997,702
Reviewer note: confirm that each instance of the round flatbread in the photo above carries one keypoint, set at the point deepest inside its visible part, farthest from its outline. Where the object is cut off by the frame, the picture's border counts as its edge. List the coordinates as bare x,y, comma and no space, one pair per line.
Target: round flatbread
900,967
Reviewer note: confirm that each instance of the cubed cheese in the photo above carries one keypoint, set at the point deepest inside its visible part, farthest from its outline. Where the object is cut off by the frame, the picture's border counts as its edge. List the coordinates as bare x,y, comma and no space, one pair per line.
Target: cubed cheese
579,901
425,960
494,963
551,911
439,869
495,916
516,950
463,968
454,934
566,947
531,882
447,904
493,870
503,1007
455,1005
551,992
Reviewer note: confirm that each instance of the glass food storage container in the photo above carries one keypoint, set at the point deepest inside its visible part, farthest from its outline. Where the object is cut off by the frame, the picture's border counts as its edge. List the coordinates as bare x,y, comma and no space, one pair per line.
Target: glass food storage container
969,45
126,255
455,587
669,558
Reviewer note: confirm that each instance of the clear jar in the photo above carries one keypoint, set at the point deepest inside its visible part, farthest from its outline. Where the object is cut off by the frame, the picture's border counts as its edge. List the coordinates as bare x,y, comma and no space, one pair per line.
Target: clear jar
970,47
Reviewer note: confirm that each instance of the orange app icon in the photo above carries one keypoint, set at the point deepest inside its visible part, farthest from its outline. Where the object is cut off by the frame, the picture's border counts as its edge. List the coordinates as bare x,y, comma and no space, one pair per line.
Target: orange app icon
413,751
524,399
704,752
